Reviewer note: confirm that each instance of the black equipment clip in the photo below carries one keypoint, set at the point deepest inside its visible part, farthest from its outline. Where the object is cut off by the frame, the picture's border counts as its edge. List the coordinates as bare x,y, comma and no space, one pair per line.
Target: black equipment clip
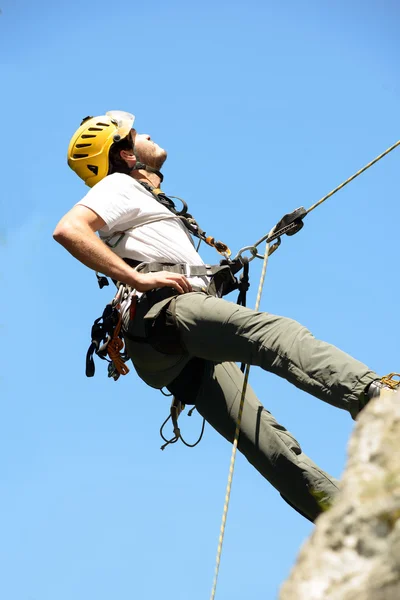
289,224
102,332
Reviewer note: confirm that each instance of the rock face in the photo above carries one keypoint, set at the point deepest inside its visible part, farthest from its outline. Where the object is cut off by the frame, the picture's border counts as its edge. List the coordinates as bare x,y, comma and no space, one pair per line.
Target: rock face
354,552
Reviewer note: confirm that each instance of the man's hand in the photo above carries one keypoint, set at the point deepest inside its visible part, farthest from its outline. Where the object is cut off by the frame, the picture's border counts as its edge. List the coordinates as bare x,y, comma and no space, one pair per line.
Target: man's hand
148,281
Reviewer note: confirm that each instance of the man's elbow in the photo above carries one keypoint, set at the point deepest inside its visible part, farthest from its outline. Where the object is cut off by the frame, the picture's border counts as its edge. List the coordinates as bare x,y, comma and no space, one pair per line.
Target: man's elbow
63,232
80,222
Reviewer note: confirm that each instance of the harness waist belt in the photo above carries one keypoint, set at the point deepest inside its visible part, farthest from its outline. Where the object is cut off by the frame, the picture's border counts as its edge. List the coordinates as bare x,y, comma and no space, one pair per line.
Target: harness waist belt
181,269
222,279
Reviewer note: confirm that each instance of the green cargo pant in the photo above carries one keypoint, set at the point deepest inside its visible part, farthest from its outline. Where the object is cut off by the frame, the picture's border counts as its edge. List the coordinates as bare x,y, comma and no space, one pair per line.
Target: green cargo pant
223,333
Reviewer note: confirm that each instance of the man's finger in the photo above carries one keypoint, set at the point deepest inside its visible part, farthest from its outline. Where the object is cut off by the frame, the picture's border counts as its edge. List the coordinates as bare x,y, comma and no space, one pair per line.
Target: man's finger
179,282
185,283
178,287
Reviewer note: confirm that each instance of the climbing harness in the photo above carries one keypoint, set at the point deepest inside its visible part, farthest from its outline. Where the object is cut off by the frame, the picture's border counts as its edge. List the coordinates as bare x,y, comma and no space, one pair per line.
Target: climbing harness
106,331
289,225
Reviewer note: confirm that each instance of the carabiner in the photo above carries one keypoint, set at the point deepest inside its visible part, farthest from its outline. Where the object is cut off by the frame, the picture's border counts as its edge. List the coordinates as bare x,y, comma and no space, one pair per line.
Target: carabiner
253,251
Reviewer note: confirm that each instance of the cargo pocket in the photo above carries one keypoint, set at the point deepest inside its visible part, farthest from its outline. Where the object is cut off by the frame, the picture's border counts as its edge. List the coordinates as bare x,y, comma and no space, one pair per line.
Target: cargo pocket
161,329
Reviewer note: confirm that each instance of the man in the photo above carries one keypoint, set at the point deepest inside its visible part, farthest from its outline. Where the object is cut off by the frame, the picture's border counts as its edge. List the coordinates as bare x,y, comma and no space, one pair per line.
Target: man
182,335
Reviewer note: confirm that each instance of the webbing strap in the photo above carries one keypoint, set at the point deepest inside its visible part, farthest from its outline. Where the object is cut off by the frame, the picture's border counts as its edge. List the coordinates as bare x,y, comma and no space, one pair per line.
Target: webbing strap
181,269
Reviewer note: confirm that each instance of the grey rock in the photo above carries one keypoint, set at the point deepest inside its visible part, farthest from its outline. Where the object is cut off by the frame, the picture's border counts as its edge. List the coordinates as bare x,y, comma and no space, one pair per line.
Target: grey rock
354,551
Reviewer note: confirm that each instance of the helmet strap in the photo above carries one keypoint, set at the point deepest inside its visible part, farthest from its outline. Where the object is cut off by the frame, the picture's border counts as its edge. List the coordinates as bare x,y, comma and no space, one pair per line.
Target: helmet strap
142,167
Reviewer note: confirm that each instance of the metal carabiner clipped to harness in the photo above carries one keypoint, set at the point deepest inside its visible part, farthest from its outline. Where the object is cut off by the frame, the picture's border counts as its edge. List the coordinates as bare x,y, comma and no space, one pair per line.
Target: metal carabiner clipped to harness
253,254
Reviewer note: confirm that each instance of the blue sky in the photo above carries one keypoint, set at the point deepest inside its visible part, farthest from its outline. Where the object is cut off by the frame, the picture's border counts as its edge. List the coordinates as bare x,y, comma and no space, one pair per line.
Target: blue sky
262,107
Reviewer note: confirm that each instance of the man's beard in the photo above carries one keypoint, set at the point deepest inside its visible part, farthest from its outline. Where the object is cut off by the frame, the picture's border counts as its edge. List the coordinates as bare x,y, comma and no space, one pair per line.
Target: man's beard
155,160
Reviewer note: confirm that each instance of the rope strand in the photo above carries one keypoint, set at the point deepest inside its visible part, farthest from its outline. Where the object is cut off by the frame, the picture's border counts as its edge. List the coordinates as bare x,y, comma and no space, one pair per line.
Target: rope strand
339,187
236,437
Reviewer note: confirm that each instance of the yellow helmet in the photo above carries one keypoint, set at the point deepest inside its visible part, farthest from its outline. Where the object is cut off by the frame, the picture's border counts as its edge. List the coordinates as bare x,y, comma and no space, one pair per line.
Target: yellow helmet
89,146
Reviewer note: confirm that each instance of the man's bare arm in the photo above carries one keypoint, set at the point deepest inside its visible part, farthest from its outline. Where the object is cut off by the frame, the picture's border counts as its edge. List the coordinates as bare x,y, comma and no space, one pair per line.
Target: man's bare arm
77,233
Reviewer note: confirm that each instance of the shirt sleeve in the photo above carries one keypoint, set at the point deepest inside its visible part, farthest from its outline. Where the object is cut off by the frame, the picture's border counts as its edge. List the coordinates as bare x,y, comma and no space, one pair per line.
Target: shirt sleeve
115,199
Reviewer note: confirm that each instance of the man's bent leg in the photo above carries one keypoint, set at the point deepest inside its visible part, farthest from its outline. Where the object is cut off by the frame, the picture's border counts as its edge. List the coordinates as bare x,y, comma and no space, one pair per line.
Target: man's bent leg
268,446
217,330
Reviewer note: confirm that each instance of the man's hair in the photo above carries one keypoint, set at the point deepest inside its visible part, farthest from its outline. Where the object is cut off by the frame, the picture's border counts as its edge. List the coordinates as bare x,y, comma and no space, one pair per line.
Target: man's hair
116,163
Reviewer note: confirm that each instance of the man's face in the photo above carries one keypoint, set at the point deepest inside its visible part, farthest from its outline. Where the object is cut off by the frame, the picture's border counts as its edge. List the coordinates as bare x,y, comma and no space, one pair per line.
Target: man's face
147,151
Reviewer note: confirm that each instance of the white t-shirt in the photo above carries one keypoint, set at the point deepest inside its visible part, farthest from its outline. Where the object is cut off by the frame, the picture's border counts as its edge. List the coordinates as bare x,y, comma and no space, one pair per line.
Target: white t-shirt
125,205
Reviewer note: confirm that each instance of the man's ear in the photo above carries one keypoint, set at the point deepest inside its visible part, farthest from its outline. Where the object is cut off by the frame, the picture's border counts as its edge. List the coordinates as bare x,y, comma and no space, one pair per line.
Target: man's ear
128,157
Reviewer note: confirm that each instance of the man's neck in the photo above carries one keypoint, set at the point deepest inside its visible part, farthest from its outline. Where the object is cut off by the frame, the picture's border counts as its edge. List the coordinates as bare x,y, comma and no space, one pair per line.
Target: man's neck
151,178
